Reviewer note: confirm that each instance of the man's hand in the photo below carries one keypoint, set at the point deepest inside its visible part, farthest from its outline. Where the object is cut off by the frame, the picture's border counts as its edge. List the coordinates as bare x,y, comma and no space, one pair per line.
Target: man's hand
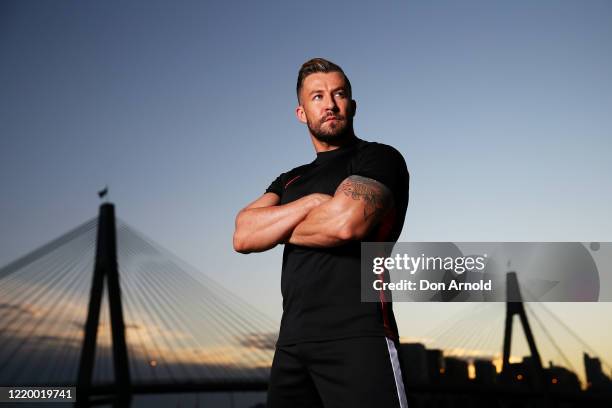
358,206
263,224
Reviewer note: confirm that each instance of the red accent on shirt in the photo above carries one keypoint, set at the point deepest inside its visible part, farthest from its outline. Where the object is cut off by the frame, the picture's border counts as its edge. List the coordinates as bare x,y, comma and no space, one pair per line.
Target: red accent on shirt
385,227
385,312
292,180
383,232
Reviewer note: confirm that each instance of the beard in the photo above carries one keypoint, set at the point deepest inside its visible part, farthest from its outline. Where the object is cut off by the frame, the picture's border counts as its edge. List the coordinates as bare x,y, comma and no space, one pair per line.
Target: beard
330,132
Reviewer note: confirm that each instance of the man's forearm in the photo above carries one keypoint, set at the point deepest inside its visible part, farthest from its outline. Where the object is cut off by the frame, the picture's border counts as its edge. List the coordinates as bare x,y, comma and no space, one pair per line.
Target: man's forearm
259,229
325,226
358,205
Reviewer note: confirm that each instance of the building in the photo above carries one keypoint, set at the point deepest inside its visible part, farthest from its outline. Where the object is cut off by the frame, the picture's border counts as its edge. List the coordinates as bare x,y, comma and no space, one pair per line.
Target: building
596,379
485,371
413,358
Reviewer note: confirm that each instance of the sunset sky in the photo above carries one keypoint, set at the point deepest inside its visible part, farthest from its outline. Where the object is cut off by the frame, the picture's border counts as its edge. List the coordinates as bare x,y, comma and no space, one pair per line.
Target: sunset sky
186,111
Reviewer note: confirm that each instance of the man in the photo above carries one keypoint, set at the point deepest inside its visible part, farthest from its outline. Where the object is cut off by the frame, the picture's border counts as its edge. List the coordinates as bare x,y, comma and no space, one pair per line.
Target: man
333,350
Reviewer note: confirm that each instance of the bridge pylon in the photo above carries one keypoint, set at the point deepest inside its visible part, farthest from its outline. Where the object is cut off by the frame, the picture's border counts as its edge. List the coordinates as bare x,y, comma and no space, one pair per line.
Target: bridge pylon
514,306
106,267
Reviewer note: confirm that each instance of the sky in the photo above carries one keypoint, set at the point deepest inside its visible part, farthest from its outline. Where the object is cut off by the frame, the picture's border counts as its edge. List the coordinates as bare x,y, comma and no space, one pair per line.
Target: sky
185,109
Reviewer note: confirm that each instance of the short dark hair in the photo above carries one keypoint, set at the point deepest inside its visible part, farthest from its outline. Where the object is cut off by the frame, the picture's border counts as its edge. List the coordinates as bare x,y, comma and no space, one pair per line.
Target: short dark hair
319,65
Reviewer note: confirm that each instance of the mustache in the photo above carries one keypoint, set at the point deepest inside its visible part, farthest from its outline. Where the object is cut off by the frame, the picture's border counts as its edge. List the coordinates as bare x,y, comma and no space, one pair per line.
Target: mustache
337,117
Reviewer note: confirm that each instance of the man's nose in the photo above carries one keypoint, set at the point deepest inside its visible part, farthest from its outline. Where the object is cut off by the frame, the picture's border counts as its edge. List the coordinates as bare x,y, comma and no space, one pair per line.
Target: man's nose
330,103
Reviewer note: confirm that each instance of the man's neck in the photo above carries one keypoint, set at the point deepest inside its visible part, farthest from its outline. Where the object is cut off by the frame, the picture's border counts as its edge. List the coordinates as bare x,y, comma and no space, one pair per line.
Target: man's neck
321,146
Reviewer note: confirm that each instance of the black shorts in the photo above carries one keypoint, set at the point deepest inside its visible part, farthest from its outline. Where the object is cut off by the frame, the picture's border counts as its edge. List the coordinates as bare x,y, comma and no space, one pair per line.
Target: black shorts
354,372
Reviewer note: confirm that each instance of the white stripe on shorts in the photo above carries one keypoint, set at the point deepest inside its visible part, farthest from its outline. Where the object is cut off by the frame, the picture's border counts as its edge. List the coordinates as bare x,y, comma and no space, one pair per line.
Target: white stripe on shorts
397,373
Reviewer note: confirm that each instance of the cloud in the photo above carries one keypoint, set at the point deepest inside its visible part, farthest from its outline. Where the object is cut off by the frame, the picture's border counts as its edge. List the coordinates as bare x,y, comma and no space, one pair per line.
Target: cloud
18,308
263,341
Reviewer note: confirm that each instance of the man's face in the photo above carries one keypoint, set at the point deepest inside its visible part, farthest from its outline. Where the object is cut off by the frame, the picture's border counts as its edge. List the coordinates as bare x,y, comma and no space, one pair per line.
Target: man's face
326,106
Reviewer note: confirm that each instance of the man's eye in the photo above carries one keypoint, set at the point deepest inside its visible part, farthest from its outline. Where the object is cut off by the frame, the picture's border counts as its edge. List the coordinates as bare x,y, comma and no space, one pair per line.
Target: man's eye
340,94
316,97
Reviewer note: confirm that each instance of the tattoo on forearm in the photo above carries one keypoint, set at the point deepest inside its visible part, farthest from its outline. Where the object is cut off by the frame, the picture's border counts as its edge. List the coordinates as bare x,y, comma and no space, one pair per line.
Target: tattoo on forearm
376,196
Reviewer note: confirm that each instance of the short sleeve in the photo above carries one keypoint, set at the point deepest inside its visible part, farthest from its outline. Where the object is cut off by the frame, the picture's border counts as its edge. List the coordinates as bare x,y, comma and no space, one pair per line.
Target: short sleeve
386,165
276,186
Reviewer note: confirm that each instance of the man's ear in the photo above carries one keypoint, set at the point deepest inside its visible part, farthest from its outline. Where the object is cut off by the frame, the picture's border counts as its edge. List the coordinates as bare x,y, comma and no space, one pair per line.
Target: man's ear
300,114
354,106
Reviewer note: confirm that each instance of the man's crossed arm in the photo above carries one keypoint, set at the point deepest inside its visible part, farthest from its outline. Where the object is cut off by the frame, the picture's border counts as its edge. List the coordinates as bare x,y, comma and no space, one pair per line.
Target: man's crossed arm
316,220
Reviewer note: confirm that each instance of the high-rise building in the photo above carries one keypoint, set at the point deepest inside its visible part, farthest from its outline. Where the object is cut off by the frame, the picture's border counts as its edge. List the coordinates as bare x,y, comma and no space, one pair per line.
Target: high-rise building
413,358
435,365
596,379
485,372
456,371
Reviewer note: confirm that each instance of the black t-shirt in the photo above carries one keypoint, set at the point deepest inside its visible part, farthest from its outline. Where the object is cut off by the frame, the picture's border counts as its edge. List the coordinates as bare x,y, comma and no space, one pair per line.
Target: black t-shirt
321,286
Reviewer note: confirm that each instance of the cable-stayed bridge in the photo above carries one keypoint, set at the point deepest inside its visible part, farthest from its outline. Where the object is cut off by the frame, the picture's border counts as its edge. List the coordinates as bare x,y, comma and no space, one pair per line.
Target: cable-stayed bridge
107,309
182,330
